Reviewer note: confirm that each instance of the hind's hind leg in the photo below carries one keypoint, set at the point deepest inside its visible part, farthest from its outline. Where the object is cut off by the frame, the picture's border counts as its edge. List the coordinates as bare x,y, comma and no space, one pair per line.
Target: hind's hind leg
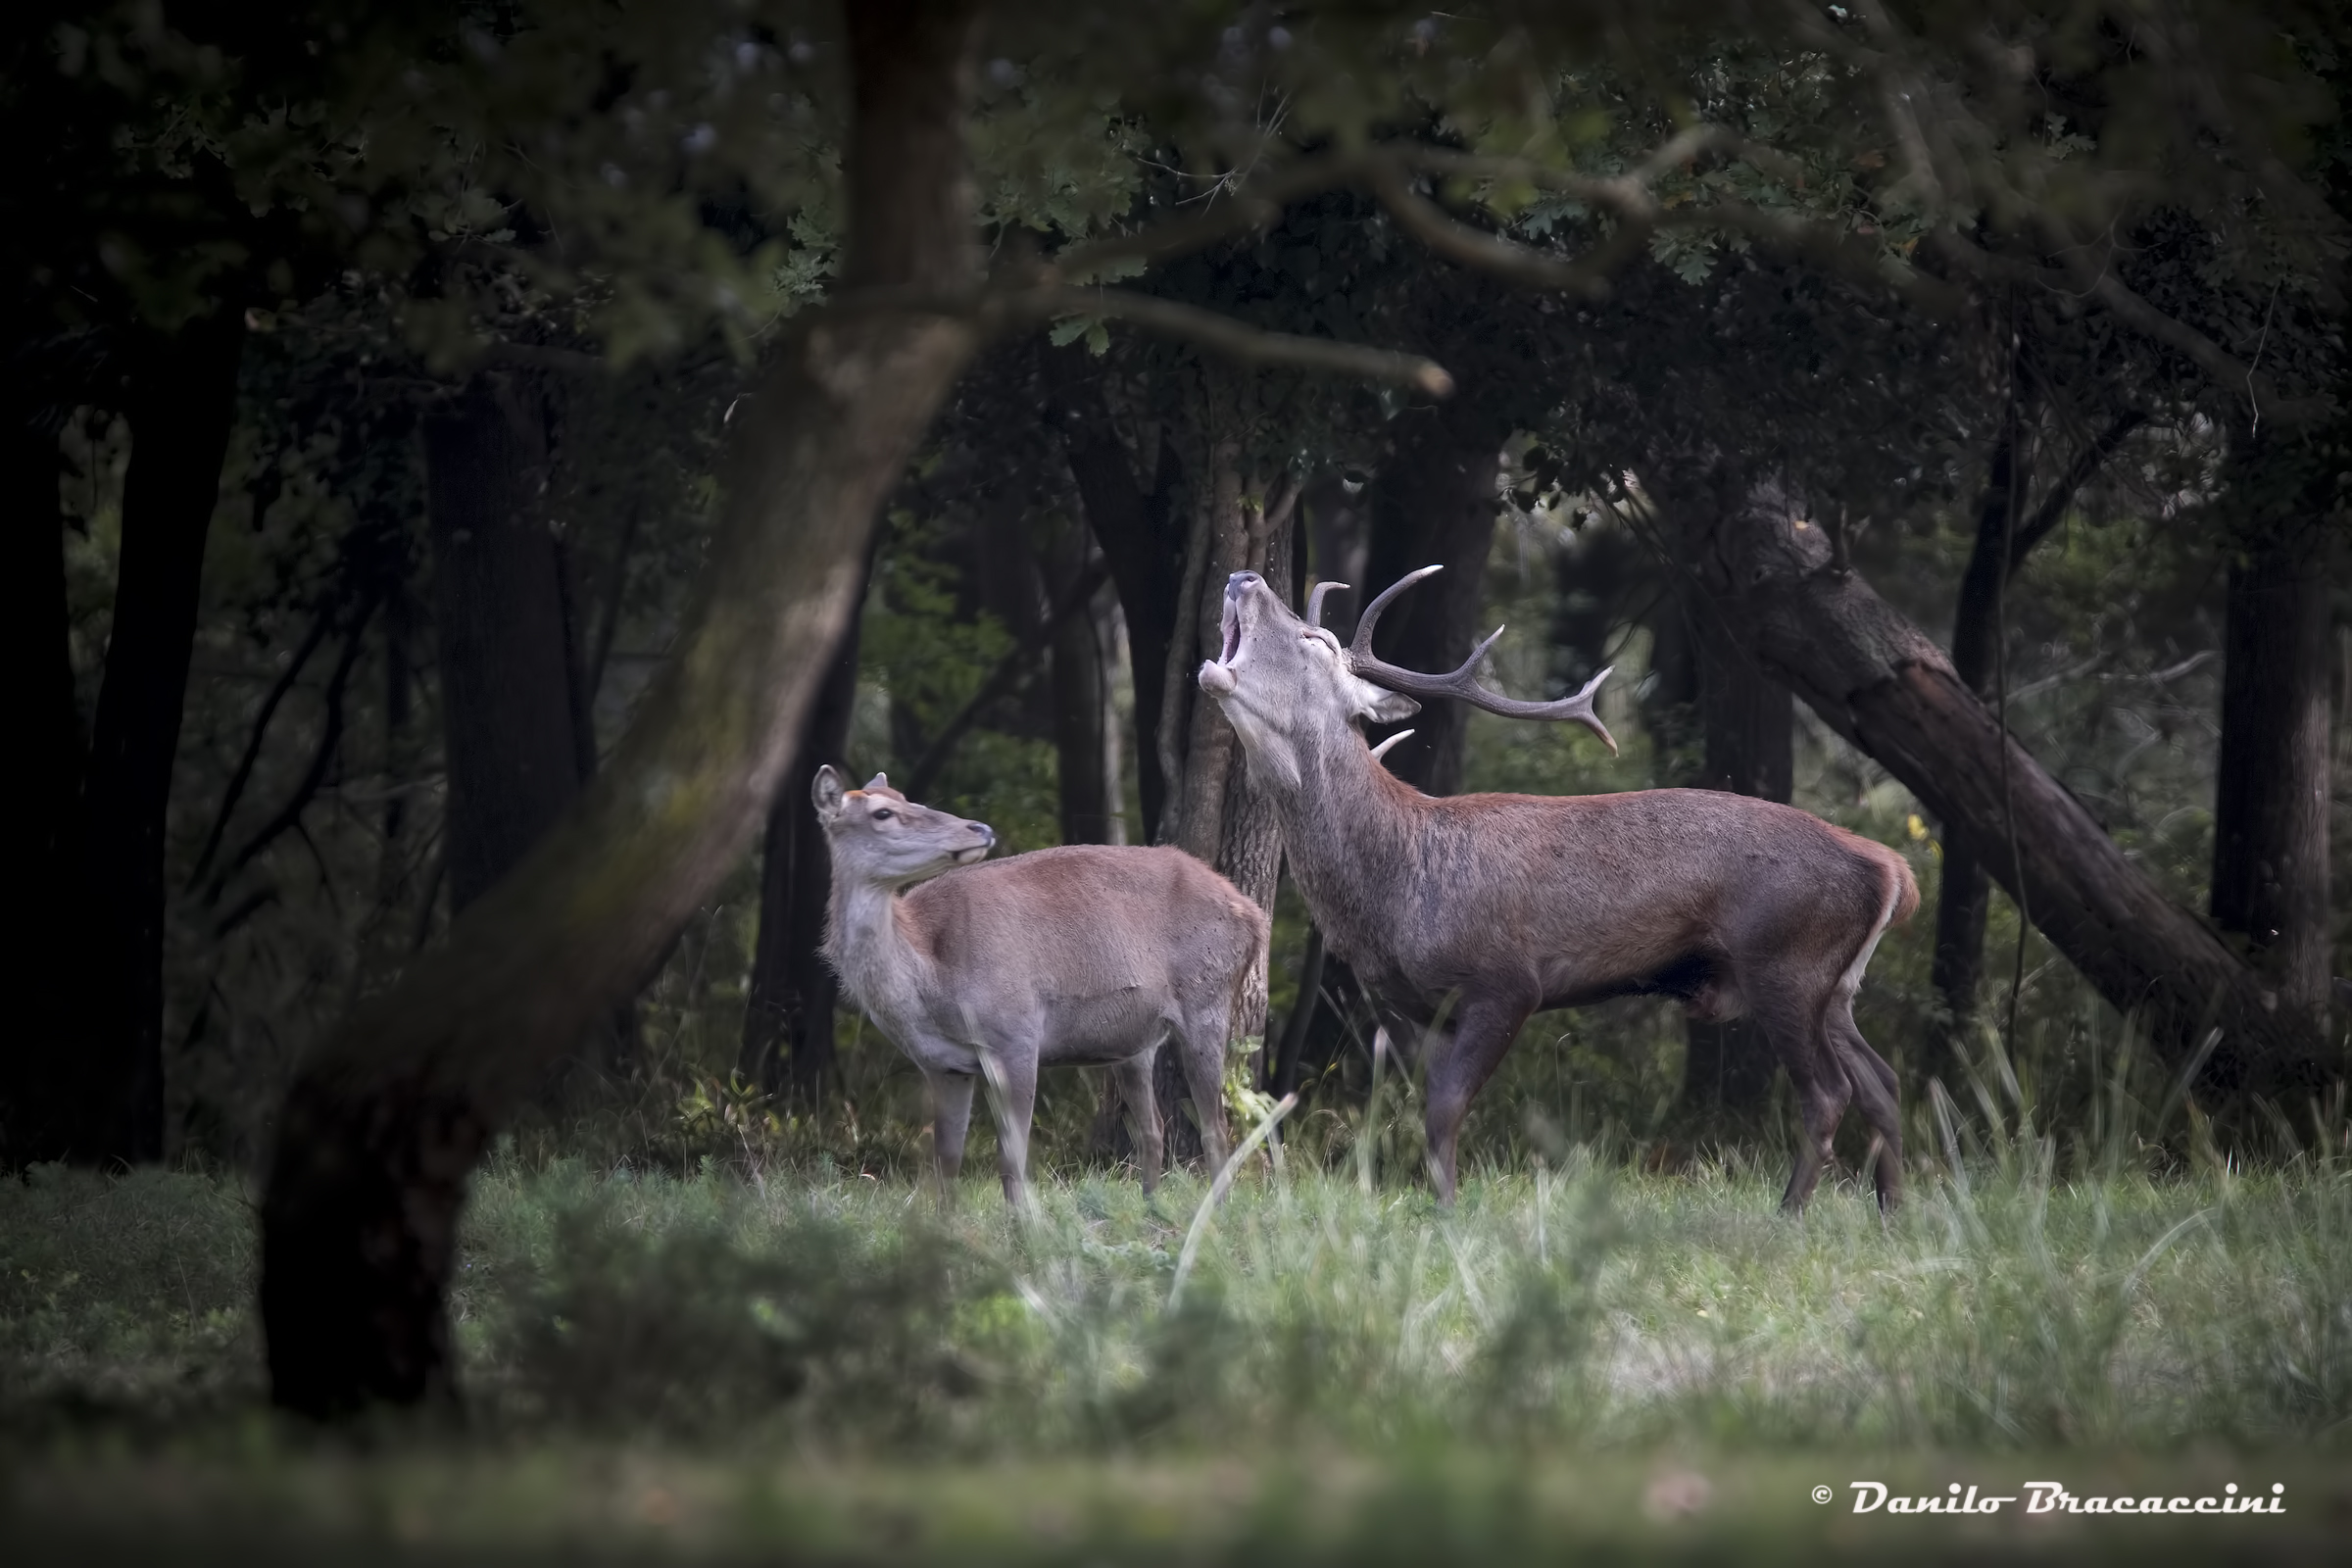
1874,1085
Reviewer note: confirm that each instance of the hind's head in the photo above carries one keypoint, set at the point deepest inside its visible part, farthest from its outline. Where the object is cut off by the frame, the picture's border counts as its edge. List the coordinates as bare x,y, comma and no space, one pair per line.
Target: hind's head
877,835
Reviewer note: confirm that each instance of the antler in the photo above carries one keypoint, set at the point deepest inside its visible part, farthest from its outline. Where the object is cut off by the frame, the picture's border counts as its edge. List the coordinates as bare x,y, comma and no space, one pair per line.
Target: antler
1463,683
1315,601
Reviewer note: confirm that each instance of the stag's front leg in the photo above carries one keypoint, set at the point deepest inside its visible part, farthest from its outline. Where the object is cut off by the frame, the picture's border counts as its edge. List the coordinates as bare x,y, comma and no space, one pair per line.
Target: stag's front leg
1459,1063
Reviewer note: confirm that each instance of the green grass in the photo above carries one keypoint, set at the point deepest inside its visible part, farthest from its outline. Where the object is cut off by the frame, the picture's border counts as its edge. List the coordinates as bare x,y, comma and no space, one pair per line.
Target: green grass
712,1363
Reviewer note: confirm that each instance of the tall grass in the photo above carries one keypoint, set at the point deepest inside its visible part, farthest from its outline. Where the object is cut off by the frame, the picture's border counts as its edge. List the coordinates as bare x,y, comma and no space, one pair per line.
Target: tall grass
2006,1307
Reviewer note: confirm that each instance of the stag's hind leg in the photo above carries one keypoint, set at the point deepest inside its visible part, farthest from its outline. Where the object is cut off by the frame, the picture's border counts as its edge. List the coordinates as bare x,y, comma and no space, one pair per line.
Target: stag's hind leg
1874,1083
1792,1019
1461,1060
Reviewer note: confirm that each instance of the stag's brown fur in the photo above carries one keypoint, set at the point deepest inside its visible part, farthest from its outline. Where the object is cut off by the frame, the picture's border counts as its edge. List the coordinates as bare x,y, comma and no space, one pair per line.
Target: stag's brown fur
1509,904
1086,955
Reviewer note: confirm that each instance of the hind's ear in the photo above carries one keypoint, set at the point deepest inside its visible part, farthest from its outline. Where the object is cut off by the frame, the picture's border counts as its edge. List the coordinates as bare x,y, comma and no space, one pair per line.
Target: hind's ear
880,781
825,791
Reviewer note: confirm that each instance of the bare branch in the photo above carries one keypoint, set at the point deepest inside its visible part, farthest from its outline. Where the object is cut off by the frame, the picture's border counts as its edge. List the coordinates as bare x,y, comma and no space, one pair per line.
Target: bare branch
1238,341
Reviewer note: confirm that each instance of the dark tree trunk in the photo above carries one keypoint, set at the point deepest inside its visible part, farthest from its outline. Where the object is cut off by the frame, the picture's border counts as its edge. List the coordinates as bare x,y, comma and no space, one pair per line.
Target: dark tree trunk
509,700
383,1125
1083,783
1878,681
1746,718
2001,547
2270,848
788,1010
1963,893
38,1088
1142,538
1434,502
183,402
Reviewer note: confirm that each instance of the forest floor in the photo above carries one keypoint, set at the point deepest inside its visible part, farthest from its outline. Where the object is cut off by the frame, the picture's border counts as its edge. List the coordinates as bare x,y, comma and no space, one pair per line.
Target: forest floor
1579,1362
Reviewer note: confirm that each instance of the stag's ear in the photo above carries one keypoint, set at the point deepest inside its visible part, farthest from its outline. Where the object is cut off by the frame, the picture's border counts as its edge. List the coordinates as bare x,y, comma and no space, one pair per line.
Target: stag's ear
1382,705
825,791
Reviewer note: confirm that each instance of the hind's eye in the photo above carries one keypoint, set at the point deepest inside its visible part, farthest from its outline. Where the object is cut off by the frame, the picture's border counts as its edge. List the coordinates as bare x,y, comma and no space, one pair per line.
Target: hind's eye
883,815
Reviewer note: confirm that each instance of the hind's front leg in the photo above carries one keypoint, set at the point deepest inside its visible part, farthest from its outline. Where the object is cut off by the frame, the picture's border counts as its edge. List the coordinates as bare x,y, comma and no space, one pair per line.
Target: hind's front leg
1013,1100
951,1118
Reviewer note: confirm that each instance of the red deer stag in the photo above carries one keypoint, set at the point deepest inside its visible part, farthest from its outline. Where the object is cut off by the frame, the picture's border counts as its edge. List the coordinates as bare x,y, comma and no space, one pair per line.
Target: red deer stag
1089,953
1514,903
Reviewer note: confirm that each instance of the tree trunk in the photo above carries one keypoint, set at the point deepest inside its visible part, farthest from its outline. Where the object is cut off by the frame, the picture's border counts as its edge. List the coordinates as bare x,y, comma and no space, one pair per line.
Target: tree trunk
1746,719
1963,893
510,704
1084,786
2269,843
1214,811
788,1010
2002,544
382,1126
1877,680
39,1083
183,402
1143,540
1434,502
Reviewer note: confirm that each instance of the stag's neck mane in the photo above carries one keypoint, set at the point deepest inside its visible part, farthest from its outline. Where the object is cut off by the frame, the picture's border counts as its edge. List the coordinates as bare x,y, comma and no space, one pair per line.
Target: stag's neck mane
1350,827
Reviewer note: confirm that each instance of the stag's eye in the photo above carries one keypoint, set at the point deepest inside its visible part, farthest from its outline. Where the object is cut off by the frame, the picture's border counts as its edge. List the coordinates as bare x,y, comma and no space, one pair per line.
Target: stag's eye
883,815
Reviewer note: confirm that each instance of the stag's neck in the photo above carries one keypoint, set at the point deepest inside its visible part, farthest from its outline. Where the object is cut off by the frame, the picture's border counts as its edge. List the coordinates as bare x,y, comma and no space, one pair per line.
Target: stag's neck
869,945
1350,828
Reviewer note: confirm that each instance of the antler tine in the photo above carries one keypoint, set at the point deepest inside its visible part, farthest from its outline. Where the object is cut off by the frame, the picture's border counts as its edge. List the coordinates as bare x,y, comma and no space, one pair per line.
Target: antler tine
1362,643
1314,601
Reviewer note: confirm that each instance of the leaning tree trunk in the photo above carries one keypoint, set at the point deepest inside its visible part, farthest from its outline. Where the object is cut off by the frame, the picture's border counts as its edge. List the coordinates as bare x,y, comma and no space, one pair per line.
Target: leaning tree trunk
1434,502
383,1124
1877,680
2270,850
183,402
788,1010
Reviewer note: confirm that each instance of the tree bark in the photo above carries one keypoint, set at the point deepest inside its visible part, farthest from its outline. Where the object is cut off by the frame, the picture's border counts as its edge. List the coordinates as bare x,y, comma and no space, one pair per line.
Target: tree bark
1434,502
1877,680
2269,851
382,1126
183,402
788,1010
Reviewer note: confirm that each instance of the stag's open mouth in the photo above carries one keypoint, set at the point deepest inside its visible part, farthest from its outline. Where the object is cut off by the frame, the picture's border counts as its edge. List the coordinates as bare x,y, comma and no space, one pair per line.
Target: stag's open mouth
1231,623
